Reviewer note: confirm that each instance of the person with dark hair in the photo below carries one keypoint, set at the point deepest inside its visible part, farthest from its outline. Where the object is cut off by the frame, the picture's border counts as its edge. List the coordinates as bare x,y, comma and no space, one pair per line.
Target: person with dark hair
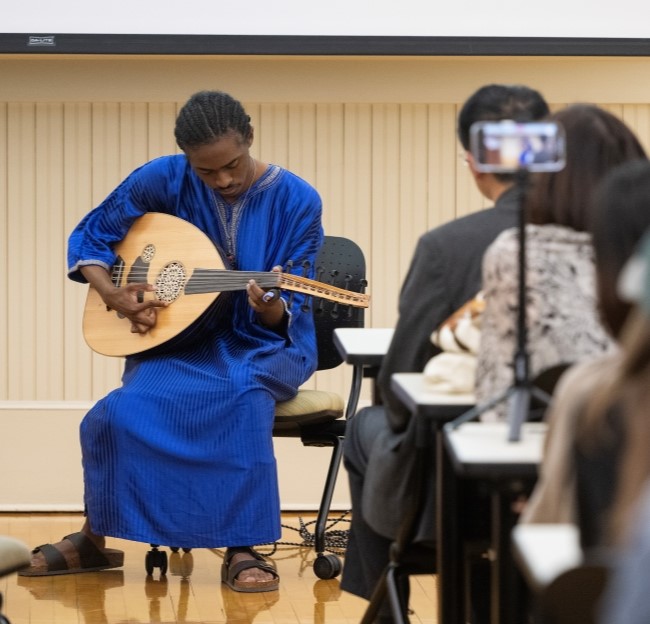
595,460
182,453
445,272
626,526
563,323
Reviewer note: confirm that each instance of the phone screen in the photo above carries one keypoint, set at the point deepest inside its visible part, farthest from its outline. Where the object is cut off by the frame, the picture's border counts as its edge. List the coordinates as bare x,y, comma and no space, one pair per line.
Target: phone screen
508,146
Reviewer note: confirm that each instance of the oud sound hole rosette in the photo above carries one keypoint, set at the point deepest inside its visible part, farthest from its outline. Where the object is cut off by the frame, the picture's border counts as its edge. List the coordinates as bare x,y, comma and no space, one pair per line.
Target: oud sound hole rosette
170,282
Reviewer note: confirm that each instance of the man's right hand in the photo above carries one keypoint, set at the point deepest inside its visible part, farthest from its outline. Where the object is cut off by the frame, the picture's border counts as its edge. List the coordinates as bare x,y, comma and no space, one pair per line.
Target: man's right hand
127,301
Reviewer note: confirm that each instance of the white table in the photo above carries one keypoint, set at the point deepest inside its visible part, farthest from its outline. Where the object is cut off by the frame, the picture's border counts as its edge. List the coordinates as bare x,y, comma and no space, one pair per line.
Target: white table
365,345
482,452
418,396
364,348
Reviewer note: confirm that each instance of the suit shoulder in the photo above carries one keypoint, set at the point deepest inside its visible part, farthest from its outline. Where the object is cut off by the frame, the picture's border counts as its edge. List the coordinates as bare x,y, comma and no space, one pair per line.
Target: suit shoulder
491,218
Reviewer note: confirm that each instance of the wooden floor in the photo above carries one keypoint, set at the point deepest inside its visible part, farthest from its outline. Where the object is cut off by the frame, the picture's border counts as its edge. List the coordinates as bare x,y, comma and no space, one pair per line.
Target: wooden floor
191,591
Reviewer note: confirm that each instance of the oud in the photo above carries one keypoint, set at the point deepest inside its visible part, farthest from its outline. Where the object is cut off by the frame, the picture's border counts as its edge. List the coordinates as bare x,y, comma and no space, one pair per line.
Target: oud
187,273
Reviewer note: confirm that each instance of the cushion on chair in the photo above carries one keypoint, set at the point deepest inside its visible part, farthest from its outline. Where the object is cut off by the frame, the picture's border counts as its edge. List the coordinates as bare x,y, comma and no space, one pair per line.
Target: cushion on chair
308,407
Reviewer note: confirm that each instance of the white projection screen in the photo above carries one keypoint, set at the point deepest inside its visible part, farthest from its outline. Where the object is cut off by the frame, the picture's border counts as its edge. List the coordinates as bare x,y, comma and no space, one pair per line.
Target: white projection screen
334,27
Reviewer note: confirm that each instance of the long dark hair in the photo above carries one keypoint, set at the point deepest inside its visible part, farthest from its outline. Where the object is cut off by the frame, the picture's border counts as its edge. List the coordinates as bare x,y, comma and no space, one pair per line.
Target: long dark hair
620,217
596,141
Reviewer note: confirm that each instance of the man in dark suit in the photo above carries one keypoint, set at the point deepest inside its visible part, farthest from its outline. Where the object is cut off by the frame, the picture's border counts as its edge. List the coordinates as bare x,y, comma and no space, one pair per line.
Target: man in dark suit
445,273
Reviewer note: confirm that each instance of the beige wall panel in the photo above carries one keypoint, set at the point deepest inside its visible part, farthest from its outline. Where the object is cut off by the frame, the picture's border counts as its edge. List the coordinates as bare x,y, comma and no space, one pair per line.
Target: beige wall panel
412,177
133,135
446,163
78,165
160,120
383,271
301,155
21,249
273,133
47,317
356,208
638,117
44,458
319,79
4,253
329,176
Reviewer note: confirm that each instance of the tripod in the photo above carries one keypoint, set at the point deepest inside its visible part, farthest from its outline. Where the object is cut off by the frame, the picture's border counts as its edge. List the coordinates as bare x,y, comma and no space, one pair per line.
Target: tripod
518,396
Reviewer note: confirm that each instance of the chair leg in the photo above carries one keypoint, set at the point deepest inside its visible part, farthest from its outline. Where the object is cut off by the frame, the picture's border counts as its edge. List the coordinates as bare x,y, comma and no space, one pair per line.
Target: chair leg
397,599
388,587
327,566
376,600
328,493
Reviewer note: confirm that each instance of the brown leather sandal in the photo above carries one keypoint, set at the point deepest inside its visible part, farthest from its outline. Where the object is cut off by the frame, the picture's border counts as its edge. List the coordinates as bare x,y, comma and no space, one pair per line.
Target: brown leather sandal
229,572
91,558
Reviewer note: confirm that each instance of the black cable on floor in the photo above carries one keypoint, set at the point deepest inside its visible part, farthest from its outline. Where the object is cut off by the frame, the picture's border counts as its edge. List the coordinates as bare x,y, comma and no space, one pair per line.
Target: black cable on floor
336,540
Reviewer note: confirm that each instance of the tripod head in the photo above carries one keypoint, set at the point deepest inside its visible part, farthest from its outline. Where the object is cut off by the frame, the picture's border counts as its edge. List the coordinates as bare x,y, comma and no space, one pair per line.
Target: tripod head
512,147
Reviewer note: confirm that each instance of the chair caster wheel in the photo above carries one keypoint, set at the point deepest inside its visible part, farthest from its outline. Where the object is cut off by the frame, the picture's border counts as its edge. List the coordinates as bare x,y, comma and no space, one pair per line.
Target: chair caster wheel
156,559
327,566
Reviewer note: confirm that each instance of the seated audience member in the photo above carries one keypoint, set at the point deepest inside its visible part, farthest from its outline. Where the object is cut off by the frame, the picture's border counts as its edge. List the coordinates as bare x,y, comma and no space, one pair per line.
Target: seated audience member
596,457
626,598
444,274
563,325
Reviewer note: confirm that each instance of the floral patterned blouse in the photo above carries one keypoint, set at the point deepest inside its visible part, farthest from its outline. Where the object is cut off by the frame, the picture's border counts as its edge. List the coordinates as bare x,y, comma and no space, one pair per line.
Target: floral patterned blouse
562,317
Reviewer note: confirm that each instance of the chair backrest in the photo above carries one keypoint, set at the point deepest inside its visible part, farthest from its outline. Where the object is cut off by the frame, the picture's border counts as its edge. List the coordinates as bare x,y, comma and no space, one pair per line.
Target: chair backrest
340,263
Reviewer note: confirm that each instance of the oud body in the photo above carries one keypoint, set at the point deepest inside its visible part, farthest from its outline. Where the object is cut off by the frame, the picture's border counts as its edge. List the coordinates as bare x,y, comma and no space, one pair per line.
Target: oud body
187,272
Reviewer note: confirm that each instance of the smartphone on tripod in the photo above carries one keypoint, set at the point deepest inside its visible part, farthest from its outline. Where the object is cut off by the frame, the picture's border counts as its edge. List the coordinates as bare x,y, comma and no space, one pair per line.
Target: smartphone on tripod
510,146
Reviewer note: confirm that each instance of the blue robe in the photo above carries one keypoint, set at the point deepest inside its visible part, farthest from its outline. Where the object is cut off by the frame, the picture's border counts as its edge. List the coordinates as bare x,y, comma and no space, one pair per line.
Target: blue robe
182,453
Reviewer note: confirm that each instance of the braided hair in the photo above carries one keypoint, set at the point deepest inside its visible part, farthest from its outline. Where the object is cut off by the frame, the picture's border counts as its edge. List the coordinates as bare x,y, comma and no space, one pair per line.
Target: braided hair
208,116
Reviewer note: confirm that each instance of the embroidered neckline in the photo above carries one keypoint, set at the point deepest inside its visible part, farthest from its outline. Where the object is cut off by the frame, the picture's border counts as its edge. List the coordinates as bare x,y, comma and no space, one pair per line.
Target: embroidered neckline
229,214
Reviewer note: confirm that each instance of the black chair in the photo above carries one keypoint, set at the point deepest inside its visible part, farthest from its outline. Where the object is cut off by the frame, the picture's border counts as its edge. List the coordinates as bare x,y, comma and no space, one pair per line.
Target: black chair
319,417
14,555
